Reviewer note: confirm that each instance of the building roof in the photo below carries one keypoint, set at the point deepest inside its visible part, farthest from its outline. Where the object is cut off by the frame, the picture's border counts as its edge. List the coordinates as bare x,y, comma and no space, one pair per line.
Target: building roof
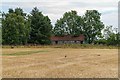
67,38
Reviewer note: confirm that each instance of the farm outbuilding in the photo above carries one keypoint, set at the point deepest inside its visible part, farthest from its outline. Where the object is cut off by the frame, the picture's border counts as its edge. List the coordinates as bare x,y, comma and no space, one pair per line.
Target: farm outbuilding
68,39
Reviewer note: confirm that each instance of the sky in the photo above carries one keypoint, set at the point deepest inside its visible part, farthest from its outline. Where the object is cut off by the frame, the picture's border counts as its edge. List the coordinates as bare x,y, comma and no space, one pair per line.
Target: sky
56,8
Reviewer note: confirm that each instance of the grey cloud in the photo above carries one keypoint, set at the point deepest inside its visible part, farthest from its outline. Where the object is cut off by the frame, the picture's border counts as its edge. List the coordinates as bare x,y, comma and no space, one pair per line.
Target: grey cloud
55,9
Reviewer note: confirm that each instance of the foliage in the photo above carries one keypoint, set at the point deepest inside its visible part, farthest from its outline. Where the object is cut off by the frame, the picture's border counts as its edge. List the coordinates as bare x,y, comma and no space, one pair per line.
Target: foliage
0,28
18,28
70,24
92,25
113,39
0,35
15,27
111,36
79,46
101,41
40,28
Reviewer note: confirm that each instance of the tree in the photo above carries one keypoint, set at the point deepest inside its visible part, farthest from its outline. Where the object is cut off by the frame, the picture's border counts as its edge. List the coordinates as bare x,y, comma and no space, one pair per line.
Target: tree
92,25
19,11
60,29
107,31
70,24
40,28
15,27
111,36
0,33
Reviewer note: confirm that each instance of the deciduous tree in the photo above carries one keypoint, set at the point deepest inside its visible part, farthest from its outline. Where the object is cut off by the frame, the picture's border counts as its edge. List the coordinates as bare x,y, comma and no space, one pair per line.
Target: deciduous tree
92,25
70,24
15,27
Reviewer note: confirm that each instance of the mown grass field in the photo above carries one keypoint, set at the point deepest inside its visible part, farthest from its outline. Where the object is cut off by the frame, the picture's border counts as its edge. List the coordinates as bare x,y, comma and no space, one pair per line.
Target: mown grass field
38,62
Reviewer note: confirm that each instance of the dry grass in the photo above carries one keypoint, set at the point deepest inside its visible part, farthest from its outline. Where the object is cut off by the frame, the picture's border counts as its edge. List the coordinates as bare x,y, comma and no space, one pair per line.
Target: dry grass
51,63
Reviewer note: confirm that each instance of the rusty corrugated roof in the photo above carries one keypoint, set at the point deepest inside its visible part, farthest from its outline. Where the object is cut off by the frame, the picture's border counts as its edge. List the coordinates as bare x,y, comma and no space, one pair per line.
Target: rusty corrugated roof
67,38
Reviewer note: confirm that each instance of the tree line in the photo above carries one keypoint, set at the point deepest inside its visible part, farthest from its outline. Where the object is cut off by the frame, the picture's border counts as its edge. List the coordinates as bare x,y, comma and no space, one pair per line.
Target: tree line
19,28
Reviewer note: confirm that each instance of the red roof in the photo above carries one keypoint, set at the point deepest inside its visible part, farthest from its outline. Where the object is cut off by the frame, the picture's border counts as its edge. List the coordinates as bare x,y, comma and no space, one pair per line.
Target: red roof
67,38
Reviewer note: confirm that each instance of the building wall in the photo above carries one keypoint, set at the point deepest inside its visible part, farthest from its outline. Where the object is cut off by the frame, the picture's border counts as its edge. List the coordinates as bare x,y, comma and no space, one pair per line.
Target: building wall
67,42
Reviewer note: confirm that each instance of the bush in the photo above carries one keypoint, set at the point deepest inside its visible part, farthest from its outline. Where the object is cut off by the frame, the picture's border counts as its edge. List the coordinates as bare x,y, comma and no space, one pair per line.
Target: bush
101,41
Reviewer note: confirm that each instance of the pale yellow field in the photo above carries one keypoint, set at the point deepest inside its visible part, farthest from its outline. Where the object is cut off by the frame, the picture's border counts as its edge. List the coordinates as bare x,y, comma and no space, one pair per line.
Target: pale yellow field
51,63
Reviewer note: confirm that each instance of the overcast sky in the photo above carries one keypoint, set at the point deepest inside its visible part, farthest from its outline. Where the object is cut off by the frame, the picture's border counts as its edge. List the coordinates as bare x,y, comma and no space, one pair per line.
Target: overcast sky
56,8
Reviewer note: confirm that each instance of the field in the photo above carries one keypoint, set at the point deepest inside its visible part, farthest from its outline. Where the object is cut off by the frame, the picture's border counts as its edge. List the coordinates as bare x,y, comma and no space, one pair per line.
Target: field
60,63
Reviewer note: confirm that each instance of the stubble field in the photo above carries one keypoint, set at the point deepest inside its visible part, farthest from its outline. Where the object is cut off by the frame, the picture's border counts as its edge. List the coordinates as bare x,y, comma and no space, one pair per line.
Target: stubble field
59,63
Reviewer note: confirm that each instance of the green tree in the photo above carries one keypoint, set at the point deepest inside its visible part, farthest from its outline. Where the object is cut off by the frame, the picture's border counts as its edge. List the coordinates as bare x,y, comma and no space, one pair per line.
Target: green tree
92,25
70,24
111,36
107,31
60,29
15,28
40,28
0,28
